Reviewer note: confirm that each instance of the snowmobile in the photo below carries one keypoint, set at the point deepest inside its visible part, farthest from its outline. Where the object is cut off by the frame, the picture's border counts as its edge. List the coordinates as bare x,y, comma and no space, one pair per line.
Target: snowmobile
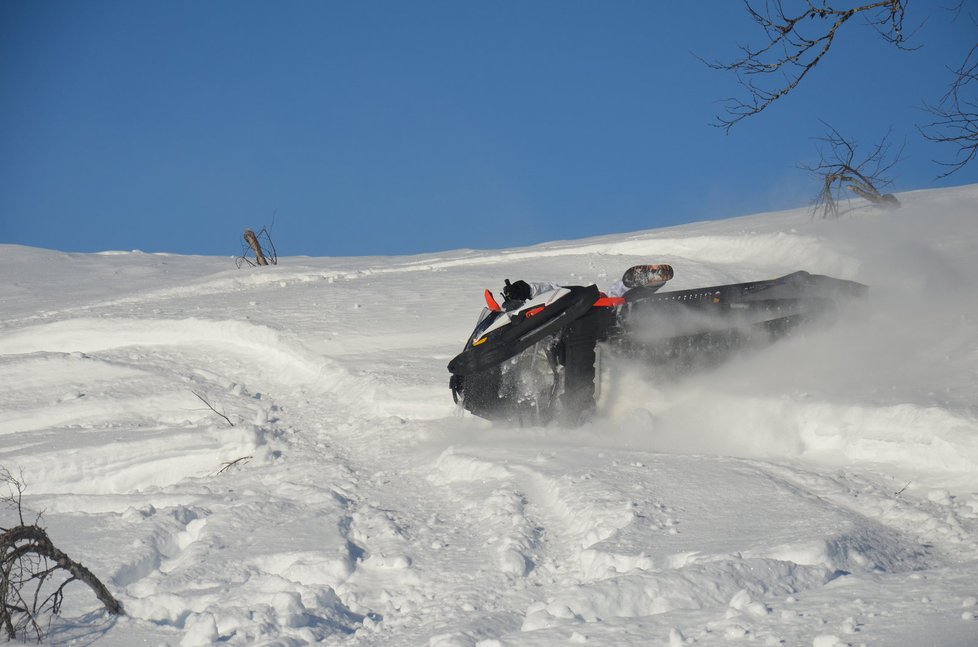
532,359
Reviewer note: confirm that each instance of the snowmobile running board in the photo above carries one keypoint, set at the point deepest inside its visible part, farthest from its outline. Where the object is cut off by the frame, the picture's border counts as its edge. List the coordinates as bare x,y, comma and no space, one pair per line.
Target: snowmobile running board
532,361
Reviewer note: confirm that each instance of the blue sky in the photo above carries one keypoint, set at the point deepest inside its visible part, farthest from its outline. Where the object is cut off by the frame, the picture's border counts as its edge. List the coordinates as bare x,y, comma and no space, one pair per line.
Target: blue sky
363,128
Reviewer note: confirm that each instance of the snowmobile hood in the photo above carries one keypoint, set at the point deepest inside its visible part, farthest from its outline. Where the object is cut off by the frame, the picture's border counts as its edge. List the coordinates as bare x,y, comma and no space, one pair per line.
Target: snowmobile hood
528,309
504,333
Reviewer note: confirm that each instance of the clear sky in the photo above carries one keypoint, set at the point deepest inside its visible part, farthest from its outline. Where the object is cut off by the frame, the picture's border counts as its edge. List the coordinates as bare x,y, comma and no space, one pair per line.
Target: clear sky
393,127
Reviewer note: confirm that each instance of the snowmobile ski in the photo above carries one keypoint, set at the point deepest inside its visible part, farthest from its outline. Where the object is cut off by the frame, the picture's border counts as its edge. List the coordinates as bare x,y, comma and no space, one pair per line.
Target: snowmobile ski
648,276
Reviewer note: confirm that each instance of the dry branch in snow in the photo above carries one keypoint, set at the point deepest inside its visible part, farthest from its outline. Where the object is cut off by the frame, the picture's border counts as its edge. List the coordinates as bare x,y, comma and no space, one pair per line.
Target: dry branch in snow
261,247
238,461
798,35
211,407
34,573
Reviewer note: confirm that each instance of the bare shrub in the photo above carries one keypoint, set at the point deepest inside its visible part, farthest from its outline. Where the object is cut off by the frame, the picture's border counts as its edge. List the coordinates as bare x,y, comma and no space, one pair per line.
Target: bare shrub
840,167
260,246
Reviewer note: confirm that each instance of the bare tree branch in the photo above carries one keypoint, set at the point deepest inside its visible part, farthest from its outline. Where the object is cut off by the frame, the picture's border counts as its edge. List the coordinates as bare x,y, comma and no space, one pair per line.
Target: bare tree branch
956,115
796,42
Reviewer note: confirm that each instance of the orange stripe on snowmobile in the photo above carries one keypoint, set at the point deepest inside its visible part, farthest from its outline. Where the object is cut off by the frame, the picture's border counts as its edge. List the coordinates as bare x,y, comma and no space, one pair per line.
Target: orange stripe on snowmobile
609,302
535,311
491,302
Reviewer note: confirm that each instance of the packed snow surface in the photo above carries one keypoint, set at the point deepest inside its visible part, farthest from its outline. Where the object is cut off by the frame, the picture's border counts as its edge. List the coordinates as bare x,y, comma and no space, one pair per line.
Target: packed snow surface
272,455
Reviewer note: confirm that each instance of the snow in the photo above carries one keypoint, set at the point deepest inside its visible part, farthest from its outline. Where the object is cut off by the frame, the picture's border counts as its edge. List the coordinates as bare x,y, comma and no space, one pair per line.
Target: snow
822,491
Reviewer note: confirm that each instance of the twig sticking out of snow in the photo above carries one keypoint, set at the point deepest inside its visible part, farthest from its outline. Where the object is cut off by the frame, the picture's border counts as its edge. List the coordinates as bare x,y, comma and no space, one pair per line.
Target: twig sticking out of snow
227,466
211,407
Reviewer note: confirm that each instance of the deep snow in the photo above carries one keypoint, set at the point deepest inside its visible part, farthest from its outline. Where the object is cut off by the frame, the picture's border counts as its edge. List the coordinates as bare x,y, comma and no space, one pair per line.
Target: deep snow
818,492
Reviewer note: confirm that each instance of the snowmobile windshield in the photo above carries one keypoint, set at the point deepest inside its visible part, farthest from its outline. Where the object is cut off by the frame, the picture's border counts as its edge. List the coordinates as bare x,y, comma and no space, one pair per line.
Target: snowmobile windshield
486,317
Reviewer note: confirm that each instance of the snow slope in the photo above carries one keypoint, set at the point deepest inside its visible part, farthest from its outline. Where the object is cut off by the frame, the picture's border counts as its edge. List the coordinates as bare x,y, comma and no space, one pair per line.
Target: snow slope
822,491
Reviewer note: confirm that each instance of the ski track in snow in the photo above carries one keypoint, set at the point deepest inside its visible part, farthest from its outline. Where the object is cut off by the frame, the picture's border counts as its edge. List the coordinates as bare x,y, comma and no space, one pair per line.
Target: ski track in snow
345,500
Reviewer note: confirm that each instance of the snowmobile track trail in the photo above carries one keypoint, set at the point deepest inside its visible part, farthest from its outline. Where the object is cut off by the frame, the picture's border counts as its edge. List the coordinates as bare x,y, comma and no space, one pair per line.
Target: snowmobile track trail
821,492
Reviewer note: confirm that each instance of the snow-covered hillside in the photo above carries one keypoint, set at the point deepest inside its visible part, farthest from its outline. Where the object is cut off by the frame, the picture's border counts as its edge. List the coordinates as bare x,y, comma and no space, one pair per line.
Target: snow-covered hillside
821,491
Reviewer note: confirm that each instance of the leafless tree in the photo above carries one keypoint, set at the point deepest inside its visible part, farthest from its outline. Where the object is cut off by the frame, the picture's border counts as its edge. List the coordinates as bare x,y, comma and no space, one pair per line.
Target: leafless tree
261,246
956,115
840,167
796,42
34,572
